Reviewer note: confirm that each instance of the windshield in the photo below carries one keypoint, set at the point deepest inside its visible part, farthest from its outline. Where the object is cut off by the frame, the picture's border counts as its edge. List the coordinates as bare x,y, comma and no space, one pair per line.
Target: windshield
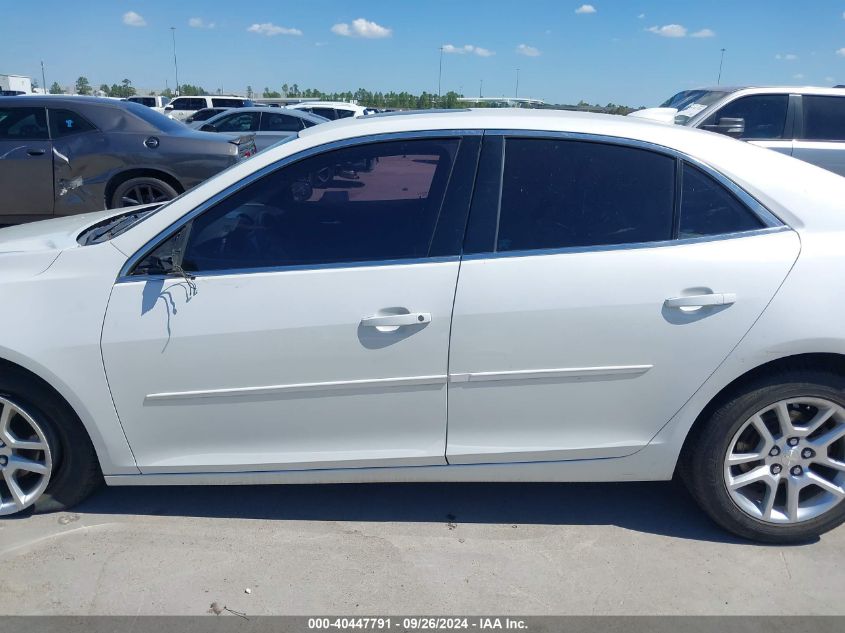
156,119
688,103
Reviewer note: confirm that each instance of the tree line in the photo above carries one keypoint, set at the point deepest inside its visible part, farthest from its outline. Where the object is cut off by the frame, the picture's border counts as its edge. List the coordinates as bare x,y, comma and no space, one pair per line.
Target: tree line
383,100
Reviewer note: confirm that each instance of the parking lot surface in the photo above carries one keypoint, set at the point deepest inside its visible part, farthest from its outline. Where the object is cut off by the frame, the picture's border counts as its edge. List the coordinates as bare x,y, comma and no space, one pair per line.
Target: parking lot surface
385,549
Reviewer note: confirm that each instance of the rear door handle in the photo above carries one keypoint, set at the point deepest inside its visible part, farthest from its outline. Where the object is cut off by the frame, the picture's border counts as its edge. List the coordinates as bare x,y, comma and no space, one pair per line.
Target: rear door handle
396,320
701,301
35,152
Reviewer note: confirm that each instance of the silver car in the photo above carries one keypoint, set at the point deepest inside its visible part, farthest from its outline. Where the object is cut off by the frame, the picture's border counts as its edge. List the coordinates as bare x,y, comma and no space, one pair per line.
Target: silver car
806,123
269,126
66,155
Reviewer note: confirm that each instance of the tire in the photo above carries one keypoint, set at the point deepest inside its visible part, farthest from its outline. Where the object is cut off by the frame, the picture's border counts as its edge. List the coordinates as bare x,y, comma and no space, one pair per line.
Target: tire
141,190
74,471
762,509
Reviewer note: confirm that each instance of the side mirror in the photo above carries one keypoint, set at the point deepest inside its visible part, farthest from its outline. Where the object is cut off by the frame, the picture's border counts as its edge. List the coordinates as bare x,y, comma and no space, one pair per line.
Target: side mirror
208,127
733,127
168,108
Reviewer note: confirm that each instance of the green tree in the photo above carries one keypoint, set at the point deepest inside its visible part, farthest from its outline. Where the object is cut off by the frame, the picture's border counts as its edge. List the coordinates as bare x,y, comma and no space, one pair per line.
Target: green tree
83,87
189,90
56,89
126,89
167,92
271,94
104,88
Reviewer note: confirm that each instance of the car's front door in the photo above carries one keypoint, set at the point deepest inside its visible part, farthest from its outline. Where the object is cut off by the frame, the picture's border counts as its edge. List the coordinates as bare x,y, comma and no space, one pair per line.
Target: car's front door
599,291
766,120
316,331
26,162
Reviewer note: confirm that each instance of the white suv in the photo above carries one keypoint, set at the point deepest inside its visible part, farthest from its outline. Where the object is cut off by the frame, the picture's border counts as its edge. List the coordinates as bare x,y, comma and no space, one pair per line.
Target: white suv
181,108
157,102
804,122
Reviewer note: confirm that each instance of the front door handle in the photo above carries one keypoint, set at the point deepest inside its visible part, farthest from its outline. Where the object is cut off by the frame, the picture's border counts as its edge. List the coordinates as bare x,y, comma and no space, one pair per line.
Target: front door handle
35,152
701,301
396,320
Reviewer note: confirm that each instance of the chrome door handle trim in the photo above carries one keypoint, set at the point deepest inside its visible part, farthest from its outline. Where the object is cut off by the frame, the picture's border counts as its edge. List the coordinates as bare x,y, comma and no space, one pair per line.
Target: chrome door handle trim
701,301
397,320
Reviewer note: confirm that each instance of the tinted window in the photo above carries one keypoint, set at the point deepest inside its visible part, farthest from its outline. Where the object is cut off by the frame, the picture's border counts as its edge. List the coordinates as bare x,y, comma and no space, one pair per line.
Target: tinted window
764,115
151,117
241,122
147,101
67,122
23,123
824,118
181,104
559,194
227,103
372,202
273,122
707,208
344,114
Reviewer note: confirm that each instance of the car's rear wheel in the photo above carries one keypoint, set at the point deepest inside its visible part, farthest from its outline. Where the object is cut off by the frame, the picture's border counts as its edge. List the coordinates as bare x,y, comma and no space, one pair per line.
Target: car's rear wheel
769,464
141,190
47,462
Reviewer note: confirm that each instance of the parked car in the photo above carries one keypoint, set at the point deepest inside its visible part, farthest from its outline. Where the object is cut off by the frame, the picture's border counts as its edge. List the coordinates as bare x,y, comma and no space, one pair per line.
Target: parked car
157,102
180,108
269,126
330,109
201,116
66,155
804,122
573,297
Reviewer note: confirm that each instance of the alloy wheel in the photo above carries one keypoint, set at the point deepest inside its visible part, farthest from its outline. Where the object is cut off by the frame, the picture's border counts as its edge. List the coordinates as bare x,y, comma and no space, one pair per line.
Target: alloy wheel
144,193
786,463
26,462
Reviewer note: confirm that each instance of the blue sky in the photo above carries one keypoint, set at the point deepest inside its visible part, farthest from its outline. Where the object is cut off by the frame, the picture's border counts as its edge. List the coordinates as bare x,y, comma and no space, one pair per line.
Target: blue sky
634,52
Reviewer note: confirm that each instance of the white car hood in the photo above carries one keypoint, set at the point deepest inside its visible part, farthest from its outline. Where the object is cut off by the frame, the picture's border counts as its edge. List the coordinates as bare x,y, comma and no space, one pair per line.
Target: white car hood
661,115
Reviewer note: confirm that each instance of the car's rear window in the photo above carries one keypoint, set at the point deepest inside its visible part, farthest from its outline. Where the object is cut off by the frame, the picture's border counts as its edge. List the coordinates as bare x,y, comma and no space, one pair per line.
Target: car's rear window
150,116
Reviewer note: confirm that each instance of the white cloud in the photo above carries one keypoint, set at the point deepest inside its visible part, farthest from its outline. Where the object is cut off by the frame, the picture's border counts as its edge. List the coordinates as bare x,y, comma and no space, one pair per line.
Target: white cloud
528,51
130,18
362,28
199,23
669,30
790,57
798,76
829,79
467,48
585,8
841,52
641,16
704,33
269,29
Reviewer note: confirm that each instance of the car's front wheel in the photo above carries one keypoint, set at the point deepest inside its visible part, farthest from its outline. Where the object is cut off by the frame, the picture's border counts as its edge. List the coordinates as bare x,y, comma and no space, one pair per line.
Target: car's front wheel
769,463
47,462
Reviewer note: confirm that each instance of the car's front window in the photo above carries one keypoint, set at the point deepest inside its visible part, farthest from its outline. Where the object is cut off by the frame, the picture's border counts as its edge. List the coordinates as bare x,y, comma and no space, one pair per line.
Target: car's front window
690,102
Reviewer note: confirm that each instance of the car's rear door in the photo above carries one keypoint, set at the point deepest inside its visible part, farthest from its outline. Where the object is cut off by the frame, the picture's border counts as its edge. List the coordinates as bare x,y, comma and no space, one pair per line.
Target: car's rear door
79,156
820,138
316,331
26,162
598,291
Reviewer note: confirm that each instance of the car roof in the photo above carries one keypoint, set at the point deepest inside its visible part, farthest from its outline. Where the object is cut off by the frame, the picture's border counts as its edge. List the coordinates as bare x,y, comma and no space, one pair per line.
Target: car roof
325,104
819,90
308,116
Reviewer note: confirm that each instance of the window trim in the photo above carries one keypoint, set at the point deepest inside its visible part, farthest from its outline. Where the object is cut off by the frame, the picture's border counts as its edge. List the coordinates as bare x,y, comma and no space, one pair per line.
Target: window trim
771,223
125,275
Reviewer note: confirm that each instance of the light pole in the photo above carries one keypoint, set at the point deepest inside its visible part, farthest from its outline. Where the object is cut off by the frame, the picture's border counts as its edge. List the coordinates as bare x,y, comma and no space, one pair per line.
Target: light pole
440,76
721,61
516,92
175,65
481,90
43,78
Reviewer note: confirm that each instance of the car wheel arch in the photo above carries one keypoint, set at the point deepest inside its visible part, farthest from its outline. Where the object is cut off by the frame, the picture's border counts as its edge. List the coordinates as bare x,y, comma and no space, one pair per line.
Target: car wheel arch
817,361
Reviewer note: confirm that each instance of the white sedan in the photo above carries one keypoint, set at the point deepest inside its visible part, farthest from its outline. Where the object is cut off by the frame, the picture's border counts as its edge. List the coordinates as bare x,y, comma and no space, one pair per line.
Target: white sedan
464,296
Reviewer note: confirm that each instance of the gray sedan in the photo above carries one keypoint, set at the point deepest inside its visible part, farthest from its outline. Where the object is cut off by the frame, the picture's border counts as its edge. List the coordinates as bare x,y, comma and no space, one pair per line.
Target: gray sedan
269,126
65,155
